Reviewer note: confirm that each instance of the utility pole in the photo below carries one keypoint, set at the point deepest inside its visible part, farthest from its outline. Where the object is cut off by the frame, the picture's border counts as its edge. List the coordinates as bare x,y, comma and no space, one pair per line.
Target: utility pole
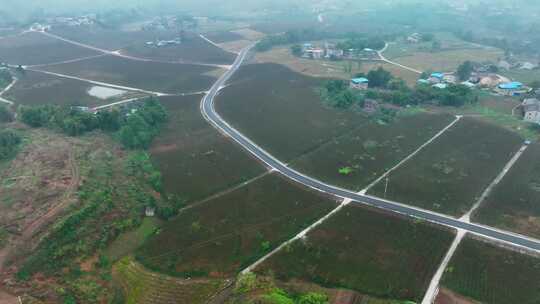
386,186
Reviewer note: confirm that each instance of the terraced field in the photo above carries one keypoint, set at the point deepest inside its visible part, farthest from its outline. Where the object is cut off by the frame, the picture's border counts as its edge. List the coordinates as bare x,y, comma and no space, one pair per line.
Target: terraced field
230,232
192,49
195,160
490,274
369,252
370,150
284,114
451,173
143,286
36,48
513,204
153,76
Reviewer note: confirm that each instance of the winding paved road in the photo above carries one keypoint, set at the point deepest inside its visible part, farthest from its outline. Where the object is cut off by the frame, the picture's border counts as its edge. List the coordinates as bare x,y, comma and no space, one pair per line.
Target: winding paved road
210,114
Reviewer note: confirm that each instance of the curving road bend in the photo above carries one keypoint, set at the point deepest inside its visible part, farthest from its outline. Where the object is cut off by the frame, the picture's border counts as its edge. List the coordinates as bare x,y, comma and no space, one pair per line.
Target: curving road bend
210,114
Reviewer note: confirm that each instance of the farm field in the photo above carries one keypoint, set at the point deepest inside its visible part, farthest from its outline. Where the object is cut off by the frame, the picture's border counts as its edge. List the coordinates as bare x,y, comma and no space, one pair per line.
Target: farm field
36,48
370,150
223,36
513,204
452,53
330,69
192,49
34,88
142,286
366,251
226,234
281,111
525,76
153,76
494,275
195,160
451,173
109,39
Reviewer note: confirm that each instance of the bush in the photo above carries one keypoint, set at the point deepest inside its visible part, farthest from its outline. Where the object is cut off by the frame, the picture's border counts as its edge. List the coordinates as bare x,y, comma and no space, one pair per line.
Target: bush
9,142
5,114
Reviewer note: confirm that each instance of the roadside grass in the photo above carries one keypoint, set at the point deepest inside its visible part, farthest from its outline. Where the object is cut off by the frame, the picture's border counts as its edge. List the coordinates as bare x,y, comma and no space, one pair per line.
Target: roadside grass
450,174
491,274
281,110
36,48
370,150
366,251
513,204
34,88
330,69
192,49
225,235
153,76
143,286
195,160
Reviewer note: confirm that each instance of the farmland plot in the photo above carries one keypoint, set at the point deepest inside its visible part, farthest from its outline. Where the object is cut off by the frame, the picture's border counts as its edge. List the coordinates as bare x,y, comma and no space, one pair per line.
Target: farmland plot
153,76
451,173
281,111
366,251
490,274
513,204
194,159
36,48
230,232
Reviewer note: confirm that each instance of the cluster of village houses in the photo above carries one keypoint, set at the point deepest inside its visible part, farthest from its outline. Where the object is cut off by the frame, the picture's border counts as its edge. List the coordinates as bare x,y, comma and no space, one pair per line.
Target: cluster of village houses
331,51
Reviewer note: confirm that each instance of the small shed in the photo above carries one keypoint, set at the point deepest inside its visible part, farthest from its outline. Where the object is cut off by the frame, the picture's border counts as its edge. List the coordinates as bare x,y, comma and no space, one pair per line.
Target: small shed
360,83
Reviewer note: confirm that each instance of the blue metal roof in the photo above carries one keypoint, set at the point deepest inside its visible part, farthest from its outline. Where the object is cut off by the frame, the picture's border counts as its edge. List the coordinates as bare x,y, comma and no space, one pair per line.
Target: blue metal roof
437,75
360,80
511,85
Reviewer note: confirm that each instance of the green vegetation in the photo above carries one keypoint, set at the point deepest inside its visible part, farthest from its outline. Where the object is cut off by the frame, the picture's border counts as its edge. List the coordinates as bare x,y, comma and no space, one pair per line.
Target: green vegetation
5,78
142,286
226,234
5,114
9,143
135,130
491,274
452,172
513,203
371,253
465,70
289,37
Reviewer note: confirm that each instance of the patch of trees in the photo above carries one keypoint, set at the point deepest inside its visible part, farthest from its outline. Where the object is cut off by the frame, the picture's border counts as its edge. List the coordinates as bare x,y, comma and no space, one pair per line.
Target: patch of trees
5,114
9,142
135,129
292,36
465,70
360,42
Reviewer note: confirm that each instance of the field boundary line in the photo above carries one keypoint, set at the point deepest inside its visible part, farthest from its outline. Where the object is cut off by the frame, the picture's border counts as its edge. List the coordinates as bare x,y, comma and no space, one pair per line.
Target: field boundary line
413,154
433,289
380,53
299,236
65,61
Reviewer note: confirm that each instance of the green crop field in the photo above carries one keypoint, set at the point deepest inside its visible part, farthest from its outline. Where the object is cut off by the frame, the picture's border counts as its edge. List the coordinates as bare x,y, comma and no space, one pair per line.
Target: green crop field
281,111
154,76
192,49
513,204
36,48
370,150
195,160
366,251
451,173
493,275
230,232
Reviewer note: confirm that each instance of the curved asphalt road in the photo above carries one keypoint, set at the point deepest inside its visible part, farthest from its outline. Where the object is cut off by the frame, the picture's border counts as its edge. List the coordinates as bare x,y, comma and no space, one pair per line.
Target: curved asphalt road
210,114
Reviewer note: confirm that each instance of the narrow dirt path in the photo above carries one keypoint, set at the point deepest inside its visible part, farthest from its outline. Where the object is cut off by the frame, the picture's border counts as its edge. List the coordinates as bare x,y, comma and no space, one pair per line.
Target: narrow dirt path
380,53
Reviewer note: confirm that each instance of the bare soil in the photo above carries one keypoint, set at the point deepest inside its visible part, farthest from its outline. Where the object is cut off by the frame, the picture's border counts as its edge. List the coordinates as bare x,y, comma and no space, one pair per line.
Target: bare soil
446,296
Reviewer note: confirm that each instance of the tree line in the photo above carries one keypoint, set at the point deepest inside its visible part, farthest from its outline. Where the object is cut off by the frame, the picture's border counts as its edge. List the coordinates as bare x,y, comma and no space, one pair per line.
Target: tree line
135,129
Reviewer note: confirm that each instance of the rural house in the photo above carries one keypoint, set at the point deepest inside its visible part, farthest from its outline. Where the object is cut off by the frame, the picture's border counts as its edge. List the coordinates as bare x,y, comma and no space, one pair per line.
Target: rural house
531,110
360,83
514,88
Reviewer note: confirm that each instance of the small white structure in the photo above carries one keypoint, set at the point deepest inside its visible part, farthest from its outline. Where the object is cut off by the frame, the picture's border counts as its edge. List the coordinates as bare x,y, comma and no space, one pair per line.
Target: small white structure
150,211
441,86
531,110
